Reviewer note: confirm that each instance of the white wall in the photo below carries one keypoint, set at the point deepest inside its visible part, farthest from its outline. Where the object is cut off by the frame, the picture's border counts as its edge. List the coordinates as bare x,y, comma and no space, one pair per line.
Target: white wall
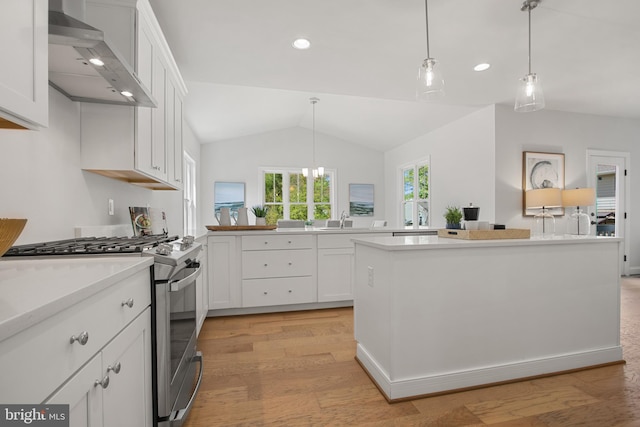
43,182
568,133
462,167
240,160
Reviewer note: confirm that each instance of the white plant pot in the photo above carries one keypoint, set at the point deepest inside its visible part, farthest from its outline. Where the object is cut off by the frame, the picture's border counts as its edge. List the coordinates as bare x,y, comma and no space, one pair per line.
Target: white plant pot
261,221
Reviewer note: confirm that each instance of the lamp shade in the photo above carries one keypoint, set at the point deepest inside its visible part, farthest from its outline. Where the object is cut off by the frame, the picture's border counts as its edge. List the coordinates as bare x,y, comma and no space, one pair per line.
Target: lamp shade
579,197
543,197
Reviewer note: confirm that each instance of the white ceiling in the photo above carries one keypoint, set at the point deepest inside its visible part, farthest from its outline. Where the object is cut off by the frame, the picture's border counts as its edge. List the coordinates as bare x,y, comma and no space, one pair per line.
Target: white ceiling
244,77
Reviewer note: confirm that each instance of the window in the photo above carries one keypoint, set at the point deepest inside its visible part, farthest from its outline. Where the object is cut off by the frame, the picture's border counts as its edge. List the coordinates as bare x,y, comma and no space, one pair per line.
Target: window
290,195
189,194
415,191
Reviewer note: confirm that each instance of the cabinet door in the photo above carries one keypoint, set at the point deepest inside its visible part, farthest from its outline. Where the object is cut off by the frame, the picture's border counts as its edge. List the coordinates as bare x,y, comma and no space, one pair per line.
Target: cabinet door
24,96
145,66
202,288
224,272
127,362
335,274
177,142
83,395
158,131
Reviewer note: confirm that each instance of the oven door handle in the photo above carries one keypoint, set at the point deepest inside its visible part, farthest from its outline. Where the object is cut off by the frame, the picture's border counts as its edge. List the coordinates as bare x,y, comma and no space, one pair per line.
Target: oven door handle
178,416
179,285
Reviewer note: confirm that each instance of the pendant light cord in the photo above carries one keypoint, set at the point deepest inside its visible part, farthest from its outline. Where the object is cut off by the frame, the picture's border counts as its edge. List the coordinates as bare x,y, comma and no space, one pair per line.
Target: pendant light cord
426,15
529,7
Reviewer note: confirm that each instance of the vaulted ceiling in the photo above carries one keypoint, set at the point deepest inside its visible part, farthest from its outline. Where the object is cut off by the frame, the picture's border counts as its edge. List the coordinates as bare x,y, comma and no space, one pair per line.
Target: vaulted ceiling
244,77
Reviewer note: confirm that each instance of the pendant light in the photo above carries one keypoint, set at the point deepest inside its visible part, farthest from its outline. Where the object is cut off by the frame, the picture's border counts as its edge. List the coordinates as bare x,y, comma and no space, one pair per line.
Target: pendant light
529,96
316,171
430,83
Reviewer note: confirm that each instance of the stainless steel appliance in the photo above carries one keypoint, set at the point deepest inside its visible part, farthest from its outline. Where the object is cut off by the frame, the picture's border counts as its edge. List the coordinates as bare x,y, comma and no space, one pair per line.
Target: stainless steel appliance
173,310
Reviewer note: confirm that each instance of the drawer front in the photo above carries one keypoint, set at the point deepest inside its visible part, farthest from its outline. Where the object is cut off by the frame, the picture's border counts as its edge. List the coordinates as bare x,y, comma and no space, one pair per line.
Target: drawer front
335,241
266,292
261,243
263,264
45,351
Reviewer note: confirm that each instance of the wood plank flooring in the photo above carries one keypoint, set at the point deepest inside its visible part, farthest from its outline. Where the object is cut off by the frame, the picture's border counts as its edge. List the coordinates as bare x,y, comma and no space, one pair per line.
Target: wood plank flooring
298,369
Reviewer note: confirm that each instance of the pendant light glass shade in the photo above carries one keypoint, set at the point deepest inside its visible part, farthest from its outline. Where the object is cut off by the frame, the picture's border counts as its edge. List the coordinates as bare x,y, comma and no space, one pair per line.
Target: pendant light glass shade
430,83
529,96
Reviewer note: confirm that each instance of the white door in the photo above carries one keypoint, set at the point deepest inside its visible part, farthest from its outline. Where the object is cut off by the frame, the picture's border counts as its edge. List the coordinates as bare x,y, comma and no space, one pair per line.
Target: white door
607,172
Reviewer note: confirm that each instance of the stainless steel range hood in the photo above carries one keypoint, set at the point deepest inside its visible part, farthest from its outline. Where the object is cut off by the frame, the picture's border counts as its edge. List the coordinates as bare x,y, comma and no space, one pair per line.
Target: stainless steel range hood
72,45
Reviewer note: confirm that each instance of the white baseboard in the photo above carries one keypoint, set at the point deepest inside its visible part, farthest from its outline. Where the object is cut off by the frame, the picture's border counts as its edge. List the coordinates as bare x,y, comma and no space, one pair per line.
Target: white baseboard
419,386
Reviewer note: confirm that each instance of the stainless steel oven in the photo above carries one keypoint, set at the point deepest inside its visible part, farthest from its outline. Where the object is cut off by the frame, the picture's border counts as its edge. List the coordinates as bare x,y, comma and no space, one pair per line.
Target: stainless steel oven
178,363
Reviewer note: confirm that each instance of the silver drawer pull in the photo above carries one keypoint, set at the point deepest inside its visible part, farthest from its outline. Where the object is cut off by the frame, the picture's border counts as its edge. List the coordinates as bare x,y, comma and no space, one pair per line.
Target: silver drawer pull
265,292
82,338
289,242
265,265
290,263
128,303
290,291
104,383
266,243
115,368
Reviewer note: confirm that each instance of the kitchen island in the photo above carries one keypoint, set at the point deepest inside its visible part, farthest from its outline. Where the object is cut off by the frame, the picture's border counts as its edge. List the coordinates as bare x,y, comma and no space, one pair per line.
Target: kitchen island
434,315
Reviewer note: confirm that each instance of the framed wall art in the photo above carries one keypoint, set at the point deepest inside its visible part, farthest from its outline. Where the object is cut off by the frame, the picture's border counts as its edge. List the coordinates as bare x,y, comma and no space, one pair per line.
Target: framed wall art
541,170
228,195
361,200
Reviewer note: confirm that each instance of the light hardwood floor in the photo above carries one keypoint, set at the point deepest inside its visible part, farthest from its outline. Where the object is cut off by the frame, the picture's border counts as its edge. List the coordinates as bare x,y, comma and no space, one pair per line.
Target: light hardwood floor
298,369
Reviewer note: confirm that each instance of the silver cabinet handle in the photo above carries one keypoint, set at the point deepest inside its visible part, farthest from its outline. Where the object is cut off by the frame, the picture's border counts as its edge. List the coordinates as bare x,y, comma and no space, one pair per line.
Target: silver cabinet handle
290,263
128,303
82,338
265,264
289,242
266,243
115,368
265,292
104,383
290,291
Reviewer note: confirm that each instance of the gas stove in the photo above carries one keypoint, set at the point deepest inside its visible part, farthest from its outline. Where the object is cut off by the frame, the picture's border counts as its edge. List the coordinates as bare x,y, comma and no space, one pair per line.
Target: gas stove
91,246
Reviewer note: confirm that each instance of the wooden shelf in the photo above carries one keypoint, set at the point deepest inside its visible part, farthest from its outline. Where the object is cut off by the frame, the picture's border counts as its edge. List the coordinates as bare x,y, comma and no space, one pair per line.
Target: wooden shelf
239,227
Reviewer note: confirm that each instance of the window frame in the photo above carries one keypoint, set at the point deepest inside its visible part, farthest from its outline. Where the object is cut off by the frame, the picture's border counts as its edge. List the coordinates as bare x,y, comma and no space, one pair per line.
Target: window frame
189,195
416,165
286,203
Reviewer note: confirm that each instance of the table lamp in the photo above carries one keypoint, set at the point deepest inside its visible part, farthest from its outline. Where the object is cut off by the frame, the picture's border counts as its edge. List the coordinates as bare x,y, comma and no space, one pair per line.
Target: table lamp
543,199
578,223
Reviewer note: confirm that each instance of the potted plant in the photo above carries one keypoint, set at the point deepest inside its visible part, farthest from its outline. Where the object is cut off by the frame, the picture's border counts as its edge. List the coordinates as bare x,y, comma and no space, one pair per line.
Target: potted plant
453,216
260,212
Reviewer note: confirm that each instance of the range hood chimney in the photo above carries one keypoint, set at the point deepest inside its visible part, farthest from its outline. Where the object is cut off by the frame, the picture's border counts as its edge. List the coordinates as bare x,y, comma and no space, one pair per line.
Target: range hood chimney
84,66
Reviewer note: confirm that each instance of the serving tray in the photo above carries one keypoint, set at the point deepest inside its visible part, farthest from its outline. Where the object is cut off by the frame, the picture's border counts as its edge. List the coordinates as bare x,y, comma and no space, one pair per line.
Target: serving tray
510,233
240,227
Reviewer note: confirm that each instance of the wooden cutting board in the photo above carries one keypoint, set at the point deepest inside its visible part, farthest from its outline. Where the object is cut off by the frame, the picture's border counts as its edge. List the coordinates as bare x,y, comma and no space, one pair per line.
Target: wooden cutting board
239,227
510,233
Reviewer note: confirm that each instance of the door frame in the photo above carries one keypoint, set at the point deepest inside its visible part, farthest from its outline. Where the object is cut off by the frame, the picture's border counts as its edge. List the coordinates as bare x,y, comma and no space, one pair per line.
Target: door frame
626,197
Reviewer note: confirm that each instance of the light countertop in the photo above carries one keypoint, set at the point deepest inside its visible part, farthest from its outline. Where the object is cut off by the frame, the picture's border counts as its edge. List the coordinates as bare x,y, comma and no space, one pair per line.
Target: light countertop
403,243
33,290
321,231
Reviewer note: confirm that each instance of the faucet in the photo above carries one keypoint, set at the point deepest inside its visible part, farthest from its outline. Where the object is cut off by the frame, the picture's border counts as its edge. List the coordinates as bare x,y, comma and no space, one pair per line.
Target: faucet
343,216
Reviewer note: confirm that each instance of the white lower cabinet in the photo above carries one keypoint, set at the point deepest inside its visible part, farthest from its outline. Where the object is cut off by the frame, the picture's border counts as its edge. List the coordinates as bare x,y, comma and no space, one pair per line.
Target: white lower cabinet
224,272
94,355
336,266
114,388
202,287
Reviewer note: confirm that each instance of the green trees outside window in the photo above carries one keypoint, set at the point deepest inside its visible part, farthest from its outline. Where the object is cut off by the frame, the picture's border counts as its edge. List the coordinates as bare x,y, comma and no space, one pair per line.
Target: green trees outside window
415,203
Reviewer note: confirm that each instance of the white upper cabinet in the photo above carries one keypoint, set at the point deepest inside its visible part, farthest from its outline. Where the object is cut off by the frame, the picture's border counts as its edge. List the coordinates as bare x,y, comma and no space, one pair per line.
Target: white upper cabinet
136,144
24,96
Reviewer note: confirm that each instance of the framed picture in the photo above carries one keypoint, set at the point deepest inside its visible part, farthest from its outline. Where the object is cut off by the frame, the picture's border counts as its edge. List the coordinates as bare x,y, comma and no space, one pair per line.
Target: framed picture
228,195
361,200
542,170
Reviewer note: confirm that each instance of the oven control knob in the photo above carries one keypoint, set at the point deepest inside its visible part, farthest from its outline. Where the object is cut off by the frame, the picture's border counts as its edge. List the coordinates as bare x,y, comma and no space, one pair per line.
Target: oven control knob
164,249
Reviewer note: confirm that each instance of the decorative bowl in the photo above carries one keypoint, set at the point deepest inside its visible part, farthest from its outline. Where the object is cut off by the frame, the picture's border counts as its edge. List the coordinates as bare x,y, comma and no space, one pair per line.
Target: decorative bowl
10,230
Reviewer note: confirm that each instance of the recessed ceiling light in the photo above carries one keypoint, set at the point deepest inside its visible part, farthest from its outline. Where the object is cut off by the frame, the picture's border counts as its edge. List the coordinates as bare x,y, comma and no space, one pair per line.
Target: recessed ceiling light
96,61
127,93
482,67
301,44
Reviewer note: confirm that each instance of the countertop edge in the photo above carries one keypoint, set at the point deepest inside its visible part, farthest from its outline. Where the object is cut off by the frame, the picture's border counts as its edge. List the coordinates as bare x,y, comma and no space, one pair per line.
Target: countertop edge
413,243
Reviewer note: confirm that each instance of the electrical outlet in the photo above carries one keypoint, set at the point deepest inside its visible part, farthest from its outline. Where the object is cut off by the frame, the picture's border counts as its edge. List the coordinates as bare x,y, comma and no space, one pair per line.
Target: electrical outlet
370,270
112,208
